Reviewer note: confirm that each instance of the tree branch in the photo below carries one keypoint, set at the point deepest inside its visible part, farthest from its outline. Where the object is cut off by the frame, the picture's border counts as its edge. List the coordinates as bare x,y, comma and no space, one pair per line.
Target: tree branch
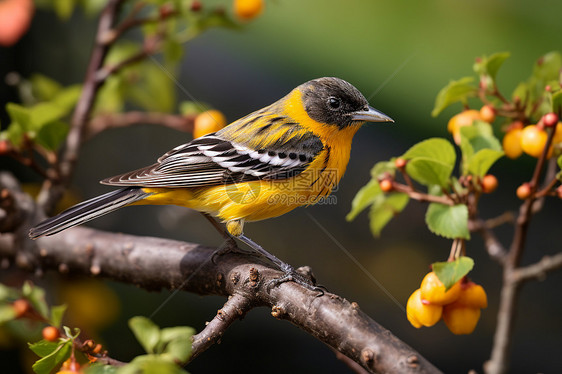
51,192
154,263
539,269
106,121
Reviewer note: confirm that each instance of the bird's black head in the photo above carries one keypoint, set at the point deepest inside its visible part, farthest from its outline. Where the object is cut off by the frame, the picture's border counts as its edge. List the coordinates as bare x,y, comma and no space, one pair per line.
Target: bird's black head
337,102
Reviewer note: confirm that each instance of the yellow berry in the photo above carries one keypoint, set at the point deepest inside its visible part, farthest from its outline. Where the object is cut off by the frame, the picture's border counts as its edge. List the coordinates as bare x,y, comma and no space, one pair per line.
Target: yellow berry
420,313
533,140
433,290
472,295
462,119
512,143
208,122
460,320
248,9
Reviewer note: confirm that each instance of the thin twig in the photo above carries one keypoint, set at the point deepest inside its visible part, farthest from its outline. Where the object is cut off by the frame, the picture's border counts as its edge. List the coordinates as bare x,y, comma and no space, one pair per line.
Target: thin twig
539,269
51,192
104,122
420,196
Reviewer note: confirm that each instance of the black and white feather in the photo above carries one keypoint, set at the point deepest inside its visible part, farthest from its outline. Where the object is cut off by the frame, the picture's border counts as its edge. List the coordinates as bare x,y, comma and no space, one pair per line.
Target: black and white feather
213,160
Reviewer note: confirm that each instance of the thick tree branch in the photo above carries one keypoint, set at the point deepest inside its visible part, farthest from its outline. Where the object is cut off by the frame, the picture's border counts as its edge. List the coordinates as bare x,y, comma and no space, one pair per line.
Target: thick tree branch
154,263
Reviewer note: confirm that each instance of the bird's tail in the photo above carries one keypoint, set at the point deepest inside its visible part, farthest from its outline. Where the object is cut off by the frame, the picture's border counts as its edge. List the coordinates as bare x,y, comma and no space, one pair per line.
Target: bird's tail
88,210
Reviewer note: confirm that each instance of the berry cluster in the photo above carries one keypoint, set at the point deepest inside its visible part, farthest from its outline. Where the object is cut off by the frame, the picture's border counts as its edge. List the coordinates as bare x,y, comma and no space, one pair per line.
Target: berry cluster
459,306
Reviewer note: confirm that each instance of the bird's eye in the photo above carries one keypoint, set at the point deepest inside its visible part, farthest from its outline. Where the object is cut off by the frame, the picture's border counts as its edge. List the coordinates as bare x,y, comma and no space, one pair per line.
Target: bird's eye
334,103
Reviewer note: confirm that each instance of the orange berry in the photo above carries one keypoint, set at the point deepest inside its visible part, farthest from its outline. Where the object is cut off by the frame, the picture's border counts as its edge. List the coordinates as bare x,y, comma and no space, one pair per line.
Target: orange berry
70,366
462,119
523,191
433,290
4,147
488,113
512,143
196,6
50,333
460,320
208,122
21,307
489,183
248,9
550,119
400,163
386,185
533,140
420,313
15,18
97,349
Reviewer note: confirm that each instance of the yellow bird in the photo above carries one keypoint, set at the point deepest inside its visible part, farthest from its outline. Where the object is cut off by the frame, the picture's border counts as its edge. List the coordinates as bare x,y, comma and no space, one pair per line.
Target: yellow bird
288,154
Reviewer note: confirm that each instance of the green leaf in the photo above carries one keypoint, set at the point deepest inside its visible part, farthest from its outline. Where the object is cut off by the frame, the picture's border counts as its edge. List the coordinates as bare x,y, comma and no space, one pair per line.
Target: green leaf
481,136
52,134
455,91
46,364
548,67
187,108
384,167
559,161
69,332
36,297
64,8
384,208
67,98
153,89
8,293
556,100
44,88
365,197
474,139
19,114
431,161
110,98
489,65
482,161
97,368
146,332
57,312
43,347
176,342
450,273
448,221
148,364
7,313
173,51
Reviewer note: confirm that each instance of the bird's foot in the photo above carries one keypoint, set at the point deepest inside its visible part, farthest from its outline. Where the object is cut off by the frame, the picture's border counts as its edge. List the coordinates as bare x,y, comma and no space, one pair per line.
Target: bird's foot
302,276
229,246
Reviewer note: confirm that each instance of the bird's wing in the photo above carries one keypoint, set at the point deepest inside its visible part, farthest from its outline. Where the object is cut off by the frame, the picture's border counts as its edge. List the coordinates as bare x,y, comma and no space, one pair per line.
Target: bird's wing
216,159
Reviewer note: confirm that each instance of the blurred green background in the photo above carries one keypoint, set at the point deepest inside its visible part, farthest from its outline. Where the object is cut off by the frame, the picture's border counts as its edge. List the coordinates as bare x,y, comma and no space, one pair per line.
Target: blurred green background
399,54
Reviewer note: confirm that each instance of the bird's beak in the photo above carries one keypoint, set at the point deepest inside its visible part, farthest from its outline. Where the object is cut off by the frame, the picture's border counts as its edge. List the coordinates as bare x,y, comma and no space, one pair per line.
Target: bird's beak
370,114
